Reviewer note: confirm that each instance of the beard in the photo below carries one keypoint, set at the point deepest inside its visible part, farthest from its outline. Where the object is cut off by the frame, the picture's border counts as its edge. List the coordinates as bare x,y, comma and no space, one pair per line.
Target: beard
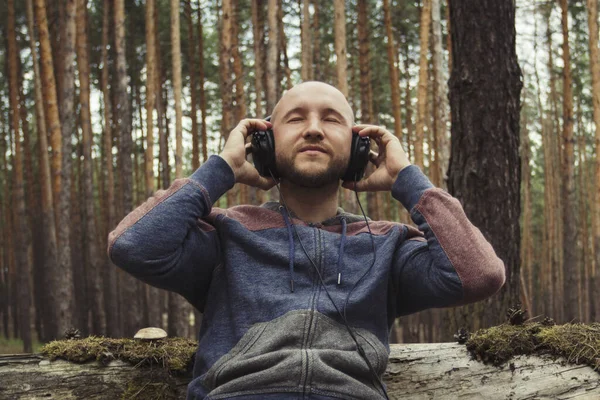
311,179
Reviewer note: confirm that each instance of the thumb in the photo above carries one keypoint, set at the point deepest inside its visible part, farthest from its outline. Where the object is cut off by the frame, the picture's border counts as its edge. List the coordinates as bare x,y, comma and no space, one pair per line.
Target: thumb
359,186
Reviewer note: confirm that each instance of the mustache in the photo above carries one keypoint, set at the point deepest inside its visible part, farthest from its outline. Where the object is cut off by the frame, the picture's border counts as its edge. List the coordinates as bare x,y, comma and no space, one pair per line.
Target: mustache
316,146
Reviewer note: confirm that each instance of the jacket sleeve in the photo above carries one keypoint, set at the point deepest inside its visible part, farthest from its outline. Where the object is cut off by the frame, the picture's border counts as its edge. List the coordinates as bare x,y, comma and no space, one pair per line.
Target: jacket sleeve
166,243
453,264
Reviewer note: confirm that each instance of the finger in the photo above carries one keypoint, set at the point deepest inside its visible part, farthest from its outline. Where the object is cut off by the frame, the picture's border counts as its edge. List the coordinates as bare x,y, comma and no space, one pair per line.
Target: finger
248,125
248,148
380,135
360,127
359,186
374,158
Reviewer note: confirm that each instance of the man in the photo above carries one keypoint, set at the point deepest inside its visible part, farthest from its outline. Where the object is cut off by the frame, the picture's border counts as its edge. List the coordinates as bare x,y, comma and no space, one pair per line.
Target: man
298,296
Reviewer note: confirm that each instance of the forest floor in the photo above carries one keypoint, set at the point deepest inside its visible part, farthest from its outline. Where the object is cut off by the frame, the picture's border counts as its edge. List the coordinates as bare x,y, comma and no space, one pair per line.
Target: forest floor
15,346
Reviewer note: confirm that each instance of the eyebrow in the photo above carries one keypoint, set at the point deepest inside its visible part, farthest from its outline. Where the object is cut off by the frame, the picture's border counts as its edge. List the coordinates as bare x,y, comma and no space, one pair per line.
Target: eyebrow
302,110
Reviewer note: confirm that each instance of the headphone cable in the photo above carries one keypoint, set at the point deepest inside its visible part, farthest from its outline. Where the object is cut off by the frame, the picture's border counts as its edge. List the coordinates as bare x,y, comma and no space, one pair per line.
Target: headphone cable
360,350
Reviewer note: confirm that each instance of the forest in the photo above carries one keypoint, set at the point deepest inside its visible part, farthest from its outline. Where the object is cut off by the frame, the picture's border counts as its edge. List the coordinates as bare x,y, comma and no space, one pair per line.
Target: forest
104,102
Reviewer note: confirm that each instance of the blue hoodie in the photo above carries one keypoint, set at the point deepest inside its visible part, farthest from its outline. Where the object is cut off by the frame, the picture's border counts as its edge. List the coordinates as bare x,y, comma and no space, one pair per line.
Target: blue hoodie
269,329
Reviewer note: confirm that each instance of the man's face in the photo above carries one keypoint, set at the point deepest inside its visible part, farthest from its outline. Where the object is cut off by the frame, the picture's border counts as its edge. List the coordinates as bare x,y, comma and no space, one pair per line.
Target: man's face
312,127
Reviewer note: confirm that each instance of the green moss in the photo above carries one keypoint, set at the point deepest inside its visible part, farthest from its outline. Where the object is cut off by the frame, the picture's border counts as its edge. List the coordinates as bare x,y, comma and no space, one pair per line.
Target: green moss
147,390
578,343
174,354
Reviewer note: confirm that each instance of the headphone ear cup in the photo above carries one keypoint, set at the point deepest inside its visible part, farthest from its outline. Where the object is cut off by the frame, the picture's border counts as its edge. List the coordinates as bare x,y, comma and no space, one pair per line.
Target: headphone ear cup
359,158
263,153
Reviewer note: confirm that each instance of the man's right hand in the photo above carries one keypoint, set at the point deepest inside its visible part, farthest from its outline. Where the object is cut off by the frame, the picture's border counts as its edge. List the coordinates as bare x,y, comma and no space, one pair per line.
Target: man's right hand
236,149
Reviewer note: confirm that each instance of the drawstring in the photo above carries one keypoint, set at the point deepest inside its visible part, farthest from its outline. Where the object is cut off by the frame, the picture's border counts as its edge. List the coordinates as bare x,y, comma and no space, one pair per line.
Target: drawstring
340,262
291,248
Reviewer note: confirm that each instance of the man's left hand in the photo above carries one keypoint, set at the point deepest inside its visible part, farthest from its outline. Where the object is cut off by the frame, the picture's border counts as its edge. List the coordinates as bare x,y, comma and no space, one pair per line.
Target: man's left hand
388,163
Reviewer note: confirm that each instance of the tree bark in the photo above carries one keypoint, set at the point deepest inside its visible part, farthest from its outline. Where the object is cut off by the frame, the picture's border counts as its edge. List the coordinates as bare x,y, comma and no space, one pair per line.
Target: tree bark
131,315
60,281
318,73
238,67
272,55
113,328
485,98
178,309
50,251
227,122
423,83
526,256
366,107
151,94
176,60
394,80
556,171
95,286
571,271
191,54
415,372
201,83
440,96
21,230
62,300
306,72
258,36
592,10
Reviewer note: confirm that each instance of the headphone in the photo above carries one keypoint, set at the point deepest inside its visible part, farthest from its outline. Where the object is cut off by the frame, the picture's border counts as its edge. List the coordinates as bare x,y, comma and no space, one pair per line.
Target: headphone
263,155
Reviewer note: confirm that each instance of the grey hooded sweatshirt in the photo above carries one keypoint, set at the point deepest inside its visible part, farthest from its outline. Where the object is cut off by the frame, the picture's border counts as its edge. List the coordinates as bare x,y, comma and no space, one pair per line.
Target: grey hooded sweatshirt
270,330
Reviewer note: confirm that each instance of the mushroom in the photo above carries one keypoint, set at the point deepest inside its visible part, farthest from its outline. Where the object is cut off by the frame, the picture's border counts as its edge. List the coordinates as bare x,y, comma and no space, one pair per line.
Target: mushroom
150,334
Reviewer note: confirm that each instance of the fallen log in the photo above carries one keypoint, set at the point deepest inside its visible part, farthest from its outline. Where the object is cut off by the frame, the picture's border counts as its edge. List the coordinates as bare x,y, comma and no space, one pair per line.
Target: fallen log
415,371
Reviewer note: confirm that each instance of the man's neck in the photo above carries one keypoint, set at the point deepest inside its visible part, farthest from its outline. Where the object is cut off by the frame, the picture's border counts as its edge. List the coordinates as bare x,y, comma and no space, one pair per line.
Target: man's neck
311,205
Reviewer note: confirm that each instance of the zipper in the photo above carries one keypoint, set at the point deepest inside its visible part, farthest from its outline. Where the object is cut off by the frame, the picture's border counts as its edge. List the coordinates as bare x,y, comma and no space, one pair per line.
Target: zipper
312,319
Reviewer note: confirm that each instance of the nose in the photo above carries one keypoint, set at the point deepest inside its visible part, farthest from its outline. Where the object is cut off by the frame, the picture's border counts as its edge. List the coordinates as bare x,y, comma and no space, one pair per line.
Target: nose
313,129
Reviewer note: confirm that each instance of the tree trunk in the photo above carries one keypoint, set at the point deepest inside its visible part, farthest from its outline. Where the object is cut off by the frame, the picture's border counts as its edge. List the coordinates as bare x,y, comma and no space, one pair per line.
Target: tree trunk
94,276
50,251
63,301
272,56
191,53
131,315
584,283
415,372
556,171
151,93
526,256
484,98
423,83
258,36
60,289
238,68
113,328
285,68
176,59
571,272
227,123
394,80
201,83
366,107
177,304
80,260
306,72
318,73
592,9
440,96
21,230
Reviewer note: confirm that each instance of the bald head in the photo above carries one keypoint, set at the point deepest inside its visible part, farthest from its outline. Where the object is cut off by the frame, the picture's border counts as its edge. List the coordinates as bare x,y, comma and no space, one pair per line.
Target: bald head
313,94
